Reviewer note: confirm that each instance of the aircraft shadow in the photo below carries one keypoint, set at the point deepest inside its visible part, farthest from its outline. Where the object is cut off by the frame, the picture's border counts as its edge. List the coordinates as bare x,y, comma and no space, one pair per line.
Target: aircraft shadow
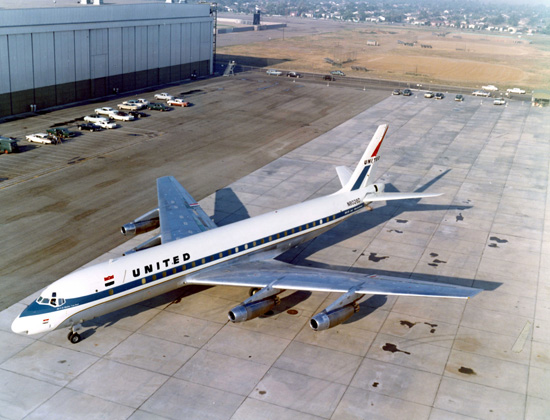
229,209
160,302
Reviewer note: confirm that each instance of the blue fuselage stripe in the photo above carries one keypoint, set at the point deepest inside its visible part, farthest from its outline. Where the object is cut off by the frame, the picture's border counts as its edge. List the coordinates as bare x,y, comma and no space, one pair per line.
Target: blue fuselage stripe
361,178
42,309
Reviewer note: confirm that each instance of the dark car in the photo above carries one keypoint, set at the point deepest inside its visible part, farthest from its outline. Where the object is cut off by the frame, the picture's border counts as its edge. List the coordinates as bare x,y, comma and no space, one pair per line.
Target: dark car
293,74
8,145
156,106
89,127
60,132
329,77
138,114
439,95
407,92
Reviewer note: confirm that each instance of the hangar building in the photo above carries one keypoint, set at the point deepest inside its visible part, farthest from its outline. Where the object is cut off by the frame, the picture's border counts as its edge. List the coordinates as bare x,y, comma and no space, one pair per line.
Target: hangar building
59,55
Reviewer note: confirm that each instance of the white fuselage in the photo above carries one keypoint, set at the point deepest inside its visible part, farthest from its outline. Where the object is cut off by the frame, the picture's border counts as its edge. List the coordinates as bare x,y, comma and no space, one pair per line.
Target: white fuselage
97,290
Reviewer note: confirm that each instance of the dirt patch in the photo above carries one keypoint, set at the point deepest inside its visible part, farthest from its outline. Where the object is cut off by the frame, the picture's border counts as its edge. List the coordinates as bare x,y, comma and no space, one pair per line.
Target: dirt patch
461,59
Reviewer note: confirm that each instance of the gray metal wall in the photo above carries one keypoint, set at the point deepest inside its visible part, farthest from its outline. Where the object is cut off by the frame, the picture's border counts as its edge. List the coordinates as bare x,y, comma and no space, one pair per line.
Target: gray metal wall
54,56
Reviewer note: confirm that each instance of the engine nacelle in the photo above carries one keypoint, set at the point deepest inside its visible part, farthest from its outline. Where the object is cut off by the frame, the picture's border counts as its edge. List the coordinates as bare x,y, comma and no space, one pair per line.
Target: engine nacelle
375,188
142,224
325,320
246,311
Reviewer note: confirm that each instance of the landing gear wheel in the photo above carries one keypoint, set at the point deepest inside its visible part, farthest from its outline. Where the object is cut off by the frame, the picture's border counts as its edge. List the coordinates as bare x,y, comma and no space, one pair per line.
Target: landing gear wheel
74,338
253,290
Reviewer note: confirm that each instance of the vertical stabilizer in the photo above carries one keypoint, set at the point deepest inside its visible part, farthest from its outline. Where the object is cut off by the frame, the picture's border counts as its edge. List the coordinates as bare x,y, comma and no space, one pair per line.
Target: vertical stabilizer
361,177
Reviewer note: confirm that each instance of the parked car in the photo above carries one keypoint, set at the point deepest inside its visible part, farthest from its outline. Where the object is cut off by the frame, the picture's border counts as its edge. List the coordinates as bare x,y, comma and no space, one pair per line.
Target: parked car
439,95
516,90
337,72
293,74
121,116
396,92
481,93
60,132
491,88
106,124
95,118
429,95
274,72
459,98
138,114
155,106
407,92
329,77
164,96
133,104
499,101
178,102
106,110
89,127
43,138
8,145
142,101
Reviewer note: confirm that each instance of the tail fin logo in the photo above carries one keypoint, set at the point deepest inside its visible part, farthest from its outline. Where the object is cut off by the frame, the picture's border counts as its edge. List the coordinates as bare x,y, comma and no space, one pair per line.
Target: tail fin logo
371,160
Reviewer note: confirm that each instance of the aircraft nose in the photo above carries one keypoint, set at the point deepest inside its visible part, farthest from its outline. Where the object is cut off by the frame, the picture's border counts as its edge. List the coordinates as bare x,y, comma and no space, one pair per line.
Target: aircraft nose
19,326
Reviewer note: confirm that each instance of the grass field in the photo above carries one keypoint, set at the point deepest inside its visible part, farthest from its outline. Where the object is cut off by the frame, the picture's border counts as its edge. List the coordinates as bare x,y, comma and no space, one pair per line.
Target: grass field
459,58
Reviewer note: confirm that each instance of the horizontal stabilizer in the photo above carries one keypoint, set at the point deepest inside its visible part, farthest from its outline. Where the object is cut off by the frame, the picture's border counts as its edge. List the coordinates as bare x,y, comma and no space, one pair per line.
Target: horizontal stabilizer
344,174
397,196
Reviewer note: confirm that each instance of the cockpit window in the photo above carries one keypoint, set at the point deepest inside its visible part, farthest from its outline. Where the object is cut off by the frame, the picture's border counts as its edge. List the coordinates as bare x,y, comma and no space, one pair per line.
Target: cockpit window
54,301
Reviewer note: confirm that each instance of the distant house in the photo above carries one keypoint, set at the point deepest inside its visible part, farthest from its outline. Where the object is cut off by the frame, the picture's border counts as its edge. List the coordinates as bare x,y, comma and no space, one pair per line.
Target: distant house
372,43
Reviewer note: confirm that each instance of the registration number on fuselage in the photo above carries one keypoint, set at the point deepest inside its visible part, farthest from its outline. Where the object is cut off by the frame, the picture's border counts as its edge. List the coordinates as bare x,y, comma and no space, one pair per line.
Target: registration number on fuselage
354,202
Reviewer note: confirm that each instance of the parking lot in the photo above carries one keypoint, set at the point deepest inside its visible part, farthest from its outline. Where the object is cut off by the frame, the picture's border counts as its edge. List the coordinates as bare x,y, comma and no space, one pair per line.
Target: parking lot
63,204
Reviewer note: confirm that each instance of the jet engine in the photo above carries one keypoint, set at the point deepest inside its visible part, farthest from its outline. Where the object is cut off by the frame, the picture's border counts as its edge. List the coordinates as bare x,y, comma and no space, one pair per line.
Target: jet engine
325,320
375,188
372,189
142,224
337,312
257,304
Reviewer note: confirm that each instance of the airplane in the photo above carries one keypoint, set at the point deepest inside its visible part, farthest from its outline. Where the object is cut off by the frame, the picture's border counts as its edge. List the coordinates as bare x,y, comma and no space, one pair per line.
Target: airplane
191,249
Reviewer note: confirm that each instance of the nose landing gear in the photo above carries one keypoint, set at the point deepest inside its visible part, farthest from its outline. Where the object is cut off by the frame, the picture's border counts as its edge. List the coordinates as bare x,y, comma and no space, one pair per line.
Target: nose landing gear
73,336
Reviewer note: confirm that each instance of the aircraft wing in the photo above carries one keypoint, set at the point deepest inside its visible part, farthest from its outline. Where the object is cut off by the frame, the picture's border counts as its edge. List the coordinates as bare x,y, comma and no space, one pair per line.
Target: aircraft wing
285,276
179,213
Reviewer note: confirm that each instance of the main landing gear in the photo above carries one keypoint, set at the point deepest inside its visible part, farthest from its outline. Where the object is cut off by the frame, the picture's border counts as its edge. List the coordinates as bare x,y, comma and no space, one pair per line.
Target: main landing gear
73,336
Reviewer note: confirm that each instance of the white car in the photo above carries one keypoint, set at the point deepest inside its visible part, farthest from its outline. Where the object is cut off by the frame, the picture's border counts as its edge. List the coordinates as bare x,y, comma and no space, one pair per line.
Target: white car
39,138
273,72
164,95
499,101
516,90
106,124
142,101
429,95
106,110
95,119
177,102
121,116
133,104
481,93
491,88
